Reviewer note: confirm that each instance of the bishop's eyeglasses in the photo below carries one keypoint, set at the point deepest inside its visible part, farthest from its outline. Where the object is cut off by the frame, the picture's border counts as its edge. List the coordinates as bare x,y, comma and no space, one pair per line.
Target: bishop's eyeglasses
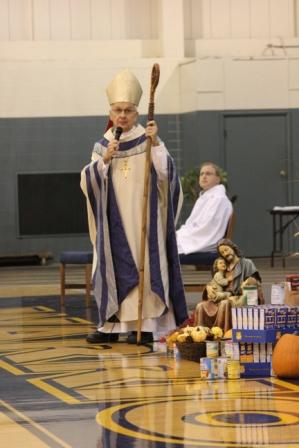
126,111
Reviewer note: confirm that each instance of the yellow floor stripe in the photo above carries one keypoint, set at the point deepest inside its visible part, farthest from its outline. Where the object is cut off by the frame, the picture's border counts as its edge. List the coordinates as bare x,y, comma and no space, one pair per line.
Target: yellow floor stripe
54,391
38,443
83,321
4,365
45,308
285,384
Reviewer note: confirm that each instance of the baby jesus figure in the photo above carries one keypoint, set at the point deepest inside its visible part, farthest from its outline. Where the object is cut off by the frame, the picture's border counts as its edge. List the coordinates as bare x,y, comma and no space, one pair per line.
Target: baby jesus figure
216,287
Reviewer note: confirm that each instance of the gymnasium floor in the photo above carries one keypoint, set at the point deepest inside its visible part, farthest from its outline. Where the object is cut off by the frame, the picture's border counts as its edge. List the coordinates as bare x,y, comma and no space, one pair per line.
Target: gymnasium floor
59,391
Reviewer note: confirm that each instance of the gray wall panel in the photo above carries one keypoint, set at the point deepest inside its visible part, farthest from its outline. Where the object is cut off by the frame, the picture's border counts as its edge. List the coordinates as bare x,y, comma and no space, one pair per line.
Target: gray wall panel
201,138
36,145
39,145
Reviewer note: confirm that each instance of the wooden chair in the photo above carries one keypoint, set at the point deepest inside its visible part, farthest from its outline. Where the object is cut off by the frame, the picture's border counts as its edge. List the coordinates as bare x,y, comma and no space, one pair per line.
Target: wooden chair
203,261
78,258
230,226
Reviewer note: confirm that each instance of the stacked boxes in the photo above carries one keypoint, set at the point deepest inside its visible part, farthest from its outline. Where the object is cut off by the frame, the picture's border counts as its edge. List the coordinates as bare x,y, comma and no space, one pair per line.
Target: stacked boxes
293,282
256,329
265,317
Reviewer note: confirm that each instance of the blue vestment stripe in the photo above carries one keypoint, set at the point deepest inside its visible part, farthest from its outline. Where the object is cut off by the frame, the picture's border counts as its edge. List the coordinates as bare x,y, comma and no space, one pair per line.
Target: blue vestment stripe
176,289
101,263
125,146
125,270
90,193
154,253
92,200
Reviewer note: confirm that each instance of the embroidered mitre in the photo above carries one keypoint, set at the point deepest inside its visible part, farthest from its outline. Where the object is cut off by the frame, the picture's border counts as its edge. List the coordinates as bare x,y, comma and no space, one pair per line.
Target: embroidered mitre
124,87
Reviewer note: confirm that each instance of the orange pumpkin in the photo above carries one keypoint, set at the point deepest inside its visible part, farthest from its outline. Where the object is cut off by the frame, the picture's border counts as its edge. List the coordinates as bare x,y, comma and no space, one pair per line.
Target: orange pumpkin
285,359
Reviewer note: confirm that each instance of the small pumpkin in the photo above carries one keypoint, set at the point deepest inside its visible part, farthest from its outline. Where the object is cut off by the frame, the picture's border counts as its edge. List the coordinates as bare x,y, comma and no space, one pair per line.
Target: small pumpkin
285,359
198,335
217,332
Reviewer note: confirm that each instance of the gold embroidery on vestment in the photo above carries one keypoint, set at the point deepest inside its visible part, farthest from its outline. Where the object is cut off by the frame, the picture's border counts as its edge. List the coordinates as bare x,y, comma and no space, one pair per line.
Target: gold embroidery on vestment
125,168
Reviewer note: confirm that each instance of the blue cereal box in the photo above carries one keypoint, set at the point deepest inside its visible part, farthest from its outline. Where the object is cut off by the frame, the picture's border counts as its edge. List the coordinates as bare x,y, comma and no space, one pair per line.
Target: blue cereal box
208,368
260,369
292,316
270,317
281,316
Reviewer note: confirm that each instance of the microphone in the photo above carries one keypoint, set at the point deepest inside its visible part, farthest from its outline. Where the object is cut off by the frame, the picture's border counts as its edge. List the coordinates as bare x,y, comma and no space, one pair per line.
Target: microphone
118,132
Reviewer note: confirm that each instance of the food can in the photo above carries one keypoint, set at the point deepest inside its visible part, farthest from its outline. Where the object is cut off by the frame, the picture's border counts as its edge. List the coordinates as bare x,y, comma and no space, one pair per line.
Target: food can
277,294
227,349
251,295
208,368
233,369
222,367
212,349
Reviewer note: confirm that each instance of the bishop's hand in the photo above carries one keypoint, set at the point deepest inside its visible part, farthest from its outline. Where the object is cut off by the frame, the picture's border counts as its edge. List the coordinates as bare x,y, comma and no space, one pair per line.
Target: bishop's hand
111,150
151,131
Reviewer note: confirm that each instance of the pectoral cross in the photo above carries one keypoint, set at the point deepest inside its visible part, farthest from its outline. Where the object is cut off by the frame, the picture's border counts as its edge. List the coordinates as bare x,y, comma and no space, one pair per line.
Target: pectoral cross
125,169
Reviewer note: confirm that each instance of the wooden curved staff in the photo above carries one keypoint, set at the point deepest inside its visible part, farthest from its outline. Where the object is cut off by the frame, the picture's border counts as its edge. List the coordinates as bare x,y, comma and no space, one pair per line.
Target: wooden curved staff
154,82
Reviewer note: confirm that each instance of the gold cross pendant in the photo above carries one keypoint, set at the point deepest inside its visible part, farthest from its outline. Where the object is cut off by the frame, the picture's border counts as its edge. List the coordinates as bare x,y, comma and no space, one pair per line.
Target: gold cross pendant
125,169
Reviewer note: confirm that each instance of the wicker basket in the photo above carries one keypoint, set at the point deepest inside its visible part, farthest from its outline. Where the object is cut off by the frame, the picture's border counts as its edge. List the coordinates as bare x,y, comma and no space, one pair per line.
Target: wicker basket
192,351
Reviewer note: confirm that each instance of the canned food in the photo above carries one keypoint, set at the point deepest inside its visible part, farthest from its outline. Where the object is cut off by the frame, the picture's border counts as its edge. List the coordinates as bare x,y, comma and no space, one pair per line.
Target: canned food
208,368
251,295
222,367
212,349
233,369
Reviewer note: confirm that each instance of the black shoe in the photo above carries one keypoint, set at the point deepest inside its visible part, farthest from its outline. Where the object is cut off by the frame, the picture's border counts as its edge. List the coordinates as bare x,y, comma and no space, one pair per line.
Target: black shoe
146,337
97,337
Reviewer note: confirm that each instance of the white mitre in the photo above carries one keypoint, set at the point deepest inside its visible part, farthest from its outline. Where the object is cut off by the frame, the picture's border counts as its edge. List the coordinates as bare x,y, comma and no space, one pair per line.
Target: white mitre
124,87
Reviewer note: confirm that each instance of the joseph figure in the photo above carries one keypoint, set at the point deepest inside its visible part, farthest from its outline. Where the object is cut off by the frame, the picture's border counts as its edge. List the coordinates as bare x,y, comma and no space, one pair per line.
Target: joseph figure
212,312
113,184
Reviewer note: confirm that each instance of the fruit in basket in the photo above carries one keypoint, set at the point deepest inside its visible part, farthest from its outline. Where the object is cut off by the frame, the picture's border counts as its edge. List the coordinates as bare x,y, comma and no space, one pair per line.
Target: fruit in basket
182,337
172,338
187,329
198,335
217,332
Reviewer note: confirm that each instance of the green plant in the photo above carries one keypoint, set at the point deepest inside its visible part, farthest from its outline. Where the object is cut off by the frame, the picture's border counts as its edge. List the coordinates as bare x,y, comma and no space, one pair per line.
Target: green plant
190,183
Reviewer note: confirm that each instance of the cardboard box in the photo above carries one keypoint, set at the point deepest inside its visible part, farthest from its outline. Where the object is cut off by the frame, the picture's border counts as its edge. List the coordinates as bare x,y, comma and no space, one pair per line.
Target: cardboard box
293,281
244,318
250,318
234,318
256,352
256,318
255,370
256,336
270,316
292,316
291,297
269,349
281,317
239,318
277,294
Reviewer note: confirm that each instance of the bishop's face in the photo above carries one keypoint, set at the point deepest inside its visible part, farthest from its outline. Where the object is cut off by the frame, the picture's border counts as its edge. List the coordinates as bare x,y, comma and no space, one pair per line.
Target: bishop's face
227,253
123,115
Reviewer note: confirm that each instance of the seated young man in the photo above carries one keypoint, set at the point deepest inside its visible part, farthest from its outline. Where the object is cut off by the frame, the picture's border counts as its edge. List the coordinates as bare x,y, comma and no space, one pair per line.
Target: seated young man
208,220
